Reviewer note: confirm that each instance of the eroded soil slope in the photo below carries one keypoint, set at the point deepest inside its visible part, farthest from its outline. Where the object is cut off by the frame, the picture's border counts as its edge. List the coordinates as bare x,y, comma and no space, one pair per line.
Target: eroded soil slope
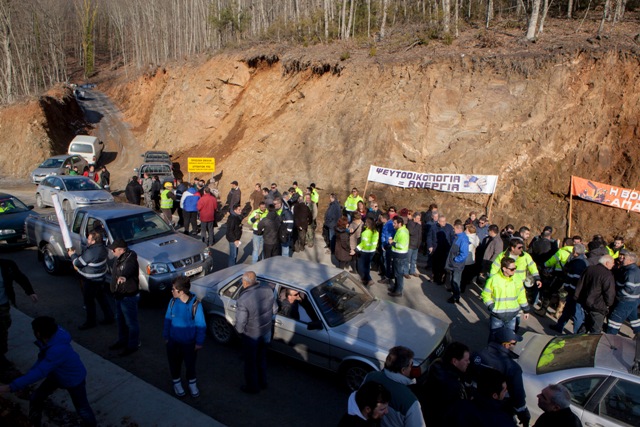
534,117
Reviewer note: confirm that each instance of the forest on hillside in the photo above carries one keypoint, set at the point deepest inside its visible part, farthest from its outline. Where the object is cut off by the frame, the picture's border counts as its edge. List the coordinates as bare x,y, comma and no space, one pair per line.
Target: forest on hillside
43,42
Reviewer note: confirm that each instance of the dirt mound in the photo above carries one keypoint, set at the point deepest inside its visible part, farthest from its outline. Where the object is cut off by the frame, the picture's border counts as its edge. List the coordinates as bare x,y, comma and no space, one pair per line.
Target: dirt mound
38,128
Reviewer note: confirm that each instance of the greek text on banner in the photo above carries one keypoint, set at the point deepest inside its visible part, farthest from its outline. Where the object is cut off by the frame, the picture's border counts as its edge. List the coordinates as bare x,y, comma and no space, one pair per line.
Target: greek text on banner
452,183
201,164
605,194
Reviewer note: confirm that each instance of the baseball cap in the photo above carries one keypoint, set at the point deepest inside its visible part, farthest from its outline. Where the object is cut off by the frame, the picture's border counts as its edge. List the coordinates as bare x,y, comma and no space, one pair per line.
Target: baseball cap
118,243
506,335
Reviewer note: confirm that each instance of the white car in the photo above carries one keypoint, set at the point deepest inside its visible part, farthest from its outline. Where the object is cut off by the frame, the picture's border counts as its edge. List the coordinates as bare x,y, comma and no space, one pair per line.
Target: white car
72,190
341,327
595,368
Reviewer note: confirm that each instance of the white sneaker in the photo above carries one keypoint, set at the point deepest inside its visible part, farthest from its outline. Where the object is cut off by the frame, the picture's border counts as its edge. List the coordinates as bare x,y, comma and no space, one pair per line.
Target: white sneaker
177,388
193,388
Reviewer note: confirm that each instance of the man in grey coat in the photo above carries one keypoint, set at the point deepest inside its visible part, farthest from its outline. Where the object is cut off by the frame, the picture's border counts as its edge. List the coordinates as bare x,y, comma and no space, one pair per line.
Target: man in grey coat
254,316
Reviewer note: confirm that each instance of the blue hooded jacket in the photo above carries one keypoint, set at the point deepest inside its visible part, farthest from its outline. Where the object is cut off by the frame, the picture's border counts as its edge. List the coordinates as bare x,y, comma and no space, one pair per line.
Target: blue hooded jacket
57,359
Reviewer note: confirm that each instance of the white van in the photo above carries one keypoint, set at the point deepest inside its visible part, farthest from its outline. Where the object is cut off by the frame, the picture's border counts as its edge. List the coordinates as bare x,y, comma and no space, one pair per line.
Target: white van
89,147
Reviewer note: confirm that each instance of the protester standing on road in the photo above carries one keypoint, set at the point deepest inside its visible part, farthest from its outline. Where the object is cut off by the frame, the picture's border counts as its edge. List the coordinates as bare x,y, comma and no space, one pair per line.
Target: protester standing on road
9,272
207,207
189,205
234,233
124,288
404,407
92,266
596,292
134,191
167,198
258,236
268,228
156,188
147,188
184,332
105,178
627,295
234,197
60,366
366,406
256,307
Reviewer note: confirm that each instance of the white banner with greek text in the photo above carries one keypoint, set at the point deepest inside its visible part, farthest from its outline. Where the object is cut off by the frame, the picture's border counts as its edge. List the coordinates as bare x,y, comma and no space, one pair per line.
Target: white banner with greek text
449,182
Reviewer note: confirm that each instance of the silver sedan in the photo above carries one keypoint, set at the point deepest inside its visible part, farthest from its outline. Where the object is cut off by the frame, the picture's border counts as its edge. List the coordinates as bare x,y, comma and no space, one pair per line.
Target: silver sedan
73,192
595,368
334,322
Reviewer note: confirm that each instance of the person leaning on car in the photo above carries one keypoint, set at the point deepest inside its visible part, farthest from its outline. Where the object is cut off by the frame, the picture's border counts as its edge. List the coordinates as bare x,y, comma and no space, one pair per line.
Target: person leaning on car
404,407
256,307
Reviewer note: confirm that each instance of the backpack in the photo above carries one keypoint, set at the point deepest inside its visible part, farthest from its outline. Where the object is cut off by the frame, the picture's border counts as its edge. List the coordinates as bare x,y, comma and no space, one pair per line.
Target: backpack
194,307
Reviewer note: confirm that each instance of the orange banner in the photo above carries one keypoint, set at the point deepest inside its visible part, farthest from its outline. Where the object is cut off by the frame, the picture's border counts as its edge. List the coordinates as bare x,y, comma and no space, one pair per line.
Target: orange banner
605,194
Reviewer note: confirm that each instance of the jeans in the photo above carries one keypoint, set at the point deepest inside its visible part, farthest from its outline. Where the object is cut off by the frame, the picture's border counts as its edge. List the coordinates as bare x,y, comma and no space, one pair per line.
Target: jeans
92,291
254,351
572,310
495,324
233,253
364,266
178,353
456,279
206,231
399,263
388,264
624,310
78,395
413,258
258,248
286,250
127,318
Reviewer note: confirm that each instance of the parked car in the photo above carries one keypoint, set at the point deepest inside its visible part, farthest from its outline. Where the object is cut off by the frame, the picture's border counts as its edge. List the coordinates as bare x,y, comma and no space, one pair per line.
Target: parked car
595,368
161,169
12,216
157,157
73,192
342,328
87,146
163,253
58,165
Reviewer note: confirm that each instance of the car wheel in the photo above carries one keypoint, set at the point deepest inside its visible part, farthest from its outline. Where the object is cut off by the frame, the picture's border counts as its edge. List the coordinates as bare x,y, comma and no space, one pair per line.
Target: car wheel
353,374
39,201
220,329
50,261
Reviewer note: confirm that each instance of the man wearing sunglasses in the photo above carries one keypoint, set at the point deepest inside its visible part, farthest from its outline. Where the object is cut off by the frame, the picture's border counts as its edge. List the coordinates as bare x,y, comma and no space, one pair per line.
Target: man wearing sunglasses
504,296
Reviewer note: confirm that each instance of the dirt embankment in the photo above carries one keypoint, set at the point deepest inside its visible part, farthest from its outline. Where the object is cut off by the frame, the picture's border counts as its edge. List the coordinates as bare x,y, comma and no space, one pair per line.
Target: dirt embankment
36,129
532,119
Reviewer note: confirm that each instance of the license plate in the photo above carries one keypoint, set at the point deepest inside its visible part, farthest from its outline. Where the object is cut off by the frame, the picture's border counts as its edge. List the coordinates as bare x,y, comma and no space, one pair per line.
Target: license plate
193,272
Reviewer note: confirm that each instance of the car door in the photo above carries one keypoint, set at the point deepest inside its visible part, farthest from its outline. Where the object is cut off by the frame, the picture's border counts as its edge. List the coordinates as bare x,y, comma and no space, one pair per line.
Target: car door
617,405
294,337
583,389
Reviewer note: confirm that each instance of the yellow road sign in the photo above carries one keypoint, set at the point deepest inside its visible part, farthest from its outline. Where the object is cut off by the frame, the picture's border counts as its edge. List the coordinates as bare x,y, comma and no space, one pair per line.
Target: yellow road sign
201,164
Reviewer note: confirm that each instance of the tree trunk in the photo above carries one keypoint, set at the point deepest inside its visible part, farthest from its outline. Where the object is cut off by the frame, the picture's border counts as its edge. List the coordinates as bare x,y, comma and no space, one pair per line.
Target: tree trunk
384,18
545,9
533,20
605,16
446,16
489,12
570,9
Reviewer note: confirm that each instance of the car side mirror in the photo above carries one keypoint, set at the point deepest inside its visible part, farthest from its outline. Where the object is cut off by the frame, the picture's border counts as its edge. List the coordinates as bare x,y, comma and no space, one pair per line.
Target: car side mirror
316,325
57,188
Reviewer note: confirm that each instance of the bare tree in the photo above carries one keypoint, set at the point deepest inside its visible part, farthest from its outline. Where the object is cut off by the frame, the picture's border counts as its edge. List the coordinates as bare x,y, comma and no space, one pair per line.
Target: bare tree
533,20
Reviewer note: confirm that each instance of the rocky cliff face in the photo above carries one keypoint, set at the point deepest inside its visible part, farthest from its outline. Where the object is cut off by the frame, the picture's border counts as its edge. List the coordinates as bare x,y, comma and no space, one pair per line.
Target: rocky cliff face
534,120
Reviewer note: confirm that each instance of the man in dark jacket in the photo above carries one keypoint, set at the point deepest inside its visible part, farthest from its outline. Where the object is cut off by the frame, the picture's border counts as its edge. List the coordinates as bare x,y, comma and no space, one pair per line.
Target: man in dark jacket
439,244
487,409
331,218
256,307
181,187
366,406
9,272
597,248
498,355
269,227
60,366
124,288
156,189
627,295
445,385
134,191
414,225
595,292
301,221
555,401
92,266
456,260
234,196
234,233
573,270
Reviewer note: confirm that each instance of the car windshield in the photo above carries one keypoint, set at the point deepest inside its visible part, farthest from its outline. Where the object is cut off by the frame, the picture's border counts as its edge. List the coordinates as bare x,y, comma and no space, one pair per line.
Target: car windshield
77,147
51,163
570,352
340,299
10,205
81,184
135,228
159,169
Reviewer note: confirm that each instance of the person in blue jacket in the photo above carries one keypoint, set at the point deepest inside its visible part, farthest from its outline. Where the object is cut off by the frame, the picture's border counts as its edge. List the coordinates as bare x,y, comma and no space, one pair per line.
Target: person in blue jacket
184,332
60,367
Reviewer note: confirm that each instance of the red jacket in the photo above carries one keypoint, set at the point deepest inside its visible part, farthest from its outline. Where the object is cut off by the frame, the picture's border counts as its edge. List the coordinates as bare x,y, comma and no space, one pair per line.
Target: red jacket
207,206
